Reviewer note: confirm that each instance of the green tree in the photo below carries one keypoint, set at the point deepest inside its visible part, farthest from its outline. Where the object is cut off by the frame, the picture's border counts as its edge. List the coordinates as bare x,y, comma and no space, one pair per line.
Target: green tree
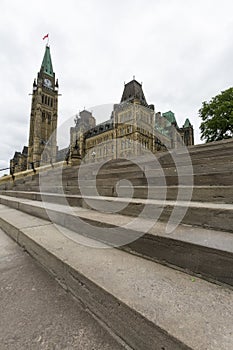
217,117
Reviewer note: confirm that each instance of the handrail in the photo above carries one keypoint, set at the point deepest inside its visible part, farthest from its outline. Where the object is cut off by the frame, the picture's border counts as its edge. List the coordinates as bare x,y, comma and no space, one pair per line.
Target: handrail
35,167
4,169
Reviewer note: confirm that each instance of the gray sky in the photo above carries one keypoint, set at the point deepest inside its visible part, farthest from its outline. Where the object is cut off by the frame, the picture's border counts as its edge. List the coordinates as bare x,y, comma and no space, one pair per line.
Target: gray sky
181,50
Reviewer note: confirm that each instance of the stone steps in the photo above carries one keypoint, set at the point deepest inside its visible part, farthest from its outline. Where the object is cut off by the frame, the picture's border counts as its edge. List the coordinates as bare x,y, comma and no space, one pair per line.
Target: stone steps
169,170
146,304
216,180
156,177
154,288
217,216
137,179
208,253
214,194
212,165
167,158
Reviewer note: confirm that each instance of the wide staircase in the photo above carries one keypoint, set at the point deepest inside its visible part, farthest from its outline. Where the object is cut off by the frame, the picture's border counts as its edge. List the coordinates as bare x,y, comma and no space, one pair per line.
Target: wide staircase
146,244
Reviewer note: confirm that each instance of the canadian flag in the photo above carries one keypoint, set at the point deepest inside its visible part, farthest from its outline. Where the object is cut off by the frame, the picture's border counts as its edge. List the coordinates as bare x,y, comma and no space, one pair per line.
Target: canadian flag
46,36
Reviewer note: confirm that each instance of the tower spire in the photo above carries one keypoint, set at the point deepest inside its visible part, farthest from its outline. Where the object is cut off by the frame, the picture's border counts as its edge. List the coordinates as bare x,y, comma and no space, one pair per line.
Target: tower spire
42,146
46,66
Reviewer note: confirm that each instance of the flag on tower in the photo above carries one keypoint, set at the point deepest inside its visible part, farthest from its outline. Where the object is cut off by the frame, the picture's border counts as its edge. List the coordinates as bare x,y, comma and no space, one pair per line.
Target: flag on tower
46,36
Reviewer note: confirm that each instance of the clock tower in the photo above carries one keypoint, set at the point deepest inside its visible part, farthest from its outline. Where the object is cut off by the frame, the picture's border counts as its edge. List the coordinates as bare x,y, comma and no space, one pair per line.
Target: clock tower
42,148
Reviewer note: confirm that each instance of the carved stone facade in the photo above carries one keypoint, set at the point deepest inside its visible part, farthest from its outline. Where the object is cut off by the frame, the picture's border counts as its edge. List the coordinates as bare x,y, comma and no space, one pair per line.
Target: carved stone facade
132,129
166,126
19,161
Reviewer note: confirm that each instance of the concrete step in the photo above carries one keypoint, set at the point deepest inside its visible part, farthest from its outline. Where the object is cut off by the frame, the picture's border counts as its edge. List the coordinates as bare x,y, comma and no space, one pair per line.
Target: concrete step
154,178
203,175
195,154
168,171
214,194
217,216
147,305
208,160
225,163
205,179
36,313
208,253
138,180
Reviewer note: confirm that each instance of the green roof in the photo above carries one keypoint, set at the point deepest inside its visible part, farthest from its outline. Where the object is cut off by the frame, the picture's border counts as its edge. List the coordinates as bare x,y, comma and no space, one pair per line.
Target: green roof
47,66
170,116
187,123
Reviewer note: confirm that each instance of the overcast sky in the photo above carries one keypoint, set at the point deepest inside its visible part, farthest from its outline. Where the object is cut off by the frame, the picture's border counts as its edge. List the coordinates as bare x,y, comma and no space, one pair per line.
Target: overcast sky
181,50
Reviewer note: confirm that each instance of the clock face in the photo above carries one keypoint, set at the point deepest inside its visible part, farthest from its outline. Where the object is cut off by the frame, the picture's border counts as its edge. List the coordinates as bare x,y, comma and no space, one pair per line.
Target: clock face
47,83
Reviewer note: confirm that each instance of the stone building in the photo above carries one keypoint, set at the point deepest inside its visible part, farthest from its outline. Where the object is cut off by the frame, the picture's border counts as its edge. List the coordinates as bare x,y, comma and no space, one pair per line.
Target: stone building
168,129
19,161
186,131
132,129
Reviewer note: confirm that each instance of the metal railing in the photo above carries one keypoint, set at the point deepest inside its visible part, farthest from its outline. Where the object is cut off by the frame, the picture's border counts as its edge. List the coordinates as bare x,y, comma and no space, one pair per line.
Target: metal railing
34,165
4,169
11,171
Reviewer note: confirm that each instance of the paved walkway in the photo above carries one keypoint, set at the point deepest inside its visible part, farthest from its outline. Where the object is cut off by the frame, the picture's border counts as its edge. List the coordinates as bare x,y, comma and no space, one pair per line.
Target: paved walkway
37,314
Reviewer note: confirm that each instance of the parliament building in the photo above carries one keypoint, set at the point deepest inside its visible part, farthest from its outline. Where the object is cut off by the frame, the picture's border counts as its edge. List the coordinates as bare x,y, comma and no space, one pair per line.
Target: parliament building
132,128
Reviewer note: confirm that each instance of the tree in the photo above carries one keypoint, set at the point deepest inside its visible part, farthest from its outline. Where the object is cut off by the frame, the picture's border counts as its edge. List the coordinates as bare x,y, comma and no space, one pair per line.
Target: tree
217,116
